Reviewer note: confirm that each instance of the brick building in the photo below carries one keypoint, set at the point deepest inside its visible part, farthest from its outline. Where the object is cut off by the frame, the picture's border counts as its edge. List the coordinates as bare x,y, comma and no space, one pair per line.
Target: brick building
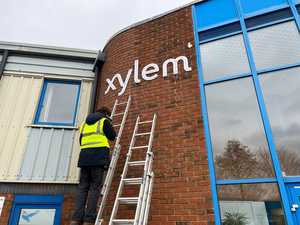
223,78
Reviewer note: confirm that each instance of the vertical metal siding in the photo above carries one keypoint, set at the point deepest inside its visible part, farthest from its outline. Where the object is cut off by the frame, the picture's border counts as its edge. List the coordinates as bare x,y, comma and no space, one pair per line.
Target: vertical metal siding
18,99
47,154
51,153
84,104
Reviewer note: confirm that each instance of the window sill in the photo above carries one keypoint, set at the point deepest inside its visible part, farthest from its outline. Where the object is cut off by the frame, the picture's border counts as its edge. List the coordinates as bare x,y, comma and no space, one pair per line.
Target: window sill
52,126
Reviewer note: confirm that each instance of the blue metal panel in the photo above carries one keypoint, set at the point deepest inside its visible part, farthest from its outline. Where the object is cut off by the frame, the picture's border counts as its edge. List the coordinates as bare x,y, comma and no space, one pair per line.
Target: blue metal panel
206,126
257,5
210,13
265,119
291,179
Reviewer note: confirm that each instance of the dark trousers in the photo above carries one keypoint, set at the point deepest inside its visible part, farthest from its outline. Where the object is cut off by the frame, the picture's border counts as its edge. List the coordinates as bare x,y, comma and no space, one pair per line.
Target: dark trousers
87,194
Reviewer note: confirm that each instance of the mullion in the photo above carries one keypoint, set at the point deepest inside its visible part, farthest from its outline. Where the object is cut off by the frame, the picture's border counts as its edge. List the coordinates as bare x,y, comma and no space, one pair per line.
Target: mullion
265,119
247,181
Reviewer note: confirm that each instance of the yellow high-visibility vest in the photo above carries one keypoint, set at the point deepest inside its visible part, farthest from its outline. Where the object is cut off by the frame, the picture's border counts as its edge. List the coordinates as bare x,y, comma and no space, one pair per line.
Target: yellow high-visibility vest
93,135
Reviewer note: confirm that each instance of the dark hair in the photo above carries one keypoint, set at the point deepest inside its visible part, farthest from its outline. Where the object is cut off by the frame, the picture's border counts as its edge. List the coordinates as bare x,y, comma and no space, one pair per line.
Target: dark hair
104,110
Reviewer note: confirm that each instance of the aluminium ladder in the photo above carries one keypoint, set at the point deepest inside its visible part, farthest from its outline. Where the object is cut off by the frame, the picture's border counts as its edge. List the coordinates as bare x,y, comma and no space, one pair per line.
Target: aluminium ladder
142,202
114,157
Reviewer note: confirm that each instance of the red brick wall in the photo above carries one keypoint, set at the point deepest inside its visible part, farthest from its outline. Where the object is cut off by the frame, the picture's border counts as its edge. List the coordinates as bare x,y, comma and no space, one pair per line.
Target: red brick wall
6,208
181,194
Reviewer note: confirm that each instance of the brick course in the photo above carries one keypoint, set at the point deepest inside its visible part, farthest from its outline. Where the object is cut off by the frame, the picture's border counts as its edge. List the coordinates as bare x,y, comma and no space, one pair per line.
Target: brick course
181,194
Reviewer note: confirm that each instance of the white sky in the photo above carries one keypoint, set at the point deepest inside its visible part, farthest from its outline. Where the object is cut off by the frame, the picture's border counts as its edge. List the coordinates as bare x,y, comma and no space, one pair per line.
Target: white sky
84,24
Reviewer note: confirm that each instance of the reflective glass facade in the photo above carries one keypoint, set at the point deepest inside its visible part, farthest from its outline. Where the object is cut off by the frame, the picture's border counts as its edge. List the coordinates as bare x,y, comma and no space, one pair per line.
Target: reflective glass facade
249,70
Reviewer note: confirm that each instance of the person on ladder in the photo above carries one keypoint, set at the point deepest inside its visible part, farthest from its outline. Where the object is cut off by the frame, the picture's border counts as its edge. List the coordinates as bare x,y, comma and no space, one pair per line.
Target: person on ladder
94,158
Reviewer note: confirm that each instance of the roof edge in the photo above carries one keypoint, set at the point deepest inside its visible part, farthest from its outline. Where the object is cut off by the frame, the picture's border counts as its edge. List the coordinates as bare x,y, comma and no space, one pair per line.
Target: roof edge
25,48
149,20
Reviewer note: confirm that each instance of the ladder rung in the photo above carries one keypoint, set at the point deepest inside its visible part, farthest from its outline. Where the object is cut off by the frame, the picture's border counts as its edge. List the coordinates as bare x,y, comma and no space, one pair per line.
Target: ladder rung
148,121
142,134
136,163
133,181
117,125
128,200
139,147
123,222
121,103
119,114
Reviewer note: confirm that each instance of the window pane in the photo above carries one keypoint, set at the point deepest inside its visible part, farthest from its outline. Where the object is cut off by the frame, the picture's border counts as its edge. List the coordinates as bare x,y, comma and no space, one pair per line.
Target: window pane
224,57
37,217
59,104
237,133
250,204
275,45
281,93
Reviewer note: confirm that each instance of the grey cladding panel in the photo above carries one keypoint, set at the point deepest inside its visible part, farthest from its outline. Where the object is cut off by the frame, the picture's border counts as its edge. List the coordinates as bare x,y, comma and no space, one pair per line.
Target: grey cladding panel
54,154
65,155
42,155
47,154
30,152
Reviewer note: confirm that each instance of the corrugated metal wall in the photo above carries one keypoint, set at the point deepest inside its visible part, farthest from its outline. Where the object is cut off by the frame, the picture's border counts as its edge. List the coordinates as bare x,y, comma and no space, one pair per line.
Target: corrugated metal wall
35,154
49,66
18,98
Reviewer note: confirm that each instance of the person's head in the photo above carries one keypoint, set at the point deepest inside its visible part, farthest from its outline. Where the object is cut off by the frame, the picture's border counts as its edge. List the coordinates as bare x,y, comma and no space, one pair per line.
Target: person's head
105,111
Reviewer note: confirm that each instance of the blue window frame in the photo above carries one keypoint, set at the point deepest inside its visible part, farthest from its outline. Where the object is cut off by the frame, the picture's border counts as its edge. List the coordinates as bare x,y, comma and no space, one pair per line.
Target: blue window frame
42,209
58,103
251,16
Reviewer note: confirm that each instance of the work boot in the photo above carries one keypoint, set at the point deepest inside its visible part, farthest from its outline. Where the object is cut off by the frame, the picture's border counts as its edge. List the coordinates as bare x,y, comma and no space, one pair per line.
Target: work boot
73,222
88,223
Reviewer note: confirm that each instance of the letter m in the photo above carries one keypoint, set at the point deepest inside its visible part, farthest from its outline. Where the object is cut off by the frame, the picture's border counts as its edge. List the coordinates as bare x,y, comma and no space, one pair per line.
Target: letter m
175,63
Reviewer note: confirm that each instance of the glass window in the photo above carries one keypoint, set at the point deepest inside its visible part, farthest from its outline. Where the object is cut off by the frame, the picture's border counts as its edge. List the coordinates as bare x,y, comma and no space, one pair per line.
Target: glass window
281,93
275,45
58,103
37,217
224,57
250,204
237,133
256,5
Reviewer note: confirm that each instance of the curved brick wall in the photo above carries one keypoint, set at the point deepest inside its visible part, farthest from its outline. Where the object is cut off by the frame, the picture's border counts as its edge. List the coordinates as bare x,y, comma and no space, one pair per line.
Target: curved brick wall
181,194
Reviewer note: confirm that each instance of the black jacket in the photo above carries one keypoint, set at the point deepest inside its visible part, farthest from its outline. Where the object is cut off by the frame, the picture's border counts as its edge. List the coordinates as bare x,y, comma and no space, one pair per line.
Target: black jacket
98,157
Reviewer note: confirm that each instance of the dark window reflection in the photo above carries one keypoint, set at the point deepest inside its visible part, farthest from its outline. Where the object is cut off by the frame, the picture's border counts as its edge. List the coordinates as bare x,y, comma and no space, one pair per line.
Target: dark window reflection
249,204
238,139
282,97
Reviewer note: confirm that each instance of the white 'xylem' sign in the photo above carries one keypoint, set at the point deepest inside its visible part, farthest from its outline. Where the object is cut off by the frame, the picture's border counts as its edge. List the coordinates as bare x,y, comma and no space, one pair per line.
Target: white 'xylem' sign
149,72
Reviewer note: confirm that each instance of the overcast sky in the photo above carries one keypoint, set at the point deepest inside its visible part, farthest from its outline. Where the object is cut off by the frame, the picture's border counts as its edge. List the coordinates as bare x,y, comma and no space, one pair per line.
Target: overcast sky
74,23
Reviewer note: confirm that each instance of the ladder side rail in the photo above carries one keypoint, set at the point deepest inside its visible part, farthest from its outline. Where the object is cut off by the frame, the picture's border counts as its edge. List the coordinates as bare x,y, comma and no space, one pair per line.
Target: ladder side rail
146,167
123,121
115,157
149,196
124,173
107,183
146,187
114,109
